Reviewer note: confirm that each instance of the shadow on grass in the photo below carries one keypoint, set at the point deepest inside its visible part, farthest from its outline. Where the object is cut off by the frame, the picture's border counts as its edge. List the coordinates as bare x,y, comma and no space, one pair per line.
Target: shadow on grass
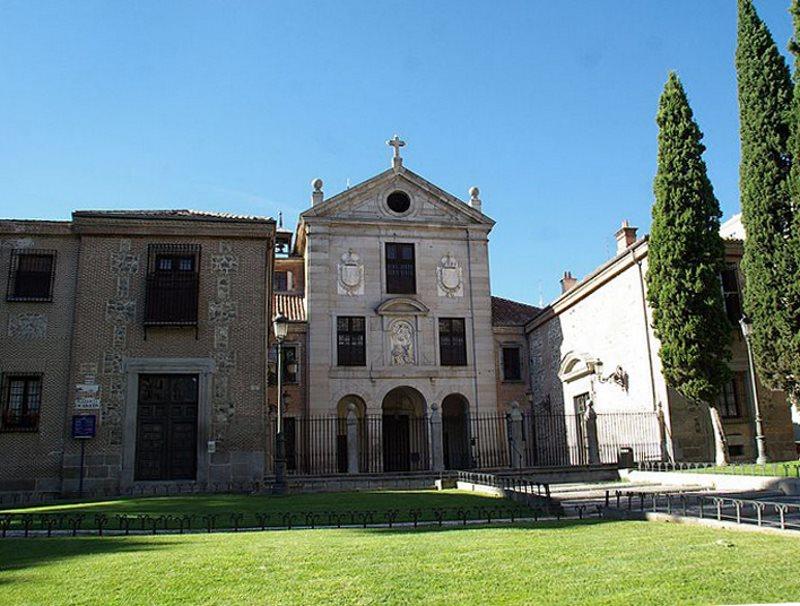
20,554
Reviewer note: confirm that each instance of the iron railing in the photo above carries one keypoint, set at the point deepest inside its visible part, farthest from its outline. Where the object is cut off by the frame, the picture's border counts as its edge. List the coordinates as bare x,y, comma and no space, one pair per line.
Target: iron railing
775,514
171,299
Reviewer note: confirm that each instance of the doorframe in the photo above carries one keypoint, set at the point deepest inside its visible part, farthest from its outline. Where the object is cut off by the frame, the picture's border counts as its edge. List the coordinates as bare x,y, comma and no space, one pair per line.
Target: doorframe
133,367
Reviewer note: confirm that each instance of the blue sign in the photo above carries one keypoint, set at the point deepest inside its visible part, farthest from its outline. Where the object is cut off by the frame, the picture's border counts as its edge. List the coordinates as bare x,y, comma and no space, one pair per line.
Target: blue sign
84,426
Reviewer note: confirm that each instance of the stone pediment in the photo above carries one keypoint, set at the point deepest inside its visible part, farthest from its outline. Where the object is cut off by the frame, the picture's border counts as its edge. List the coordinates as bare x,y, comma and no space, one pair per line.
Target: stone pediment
402,306
367,202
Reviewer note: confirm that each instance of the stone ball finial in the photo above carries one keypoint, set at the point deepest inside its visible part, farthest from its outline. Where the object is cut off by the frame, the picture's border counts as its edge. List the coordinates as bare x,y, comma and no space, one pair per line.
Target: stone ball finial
317,184
474,192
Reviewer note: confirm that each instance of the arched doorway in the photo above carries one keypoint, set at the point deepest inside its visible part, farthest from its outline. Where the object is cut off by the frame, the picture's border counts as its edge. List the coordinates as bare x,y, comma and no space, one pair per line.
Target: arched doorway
455,432
341,432
404,430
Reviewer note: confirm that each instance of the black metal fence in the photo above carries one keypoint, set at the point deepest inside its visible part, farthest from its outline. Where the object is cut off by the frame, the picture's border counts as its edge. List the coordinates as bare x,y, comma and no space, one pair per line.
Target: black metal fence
318,445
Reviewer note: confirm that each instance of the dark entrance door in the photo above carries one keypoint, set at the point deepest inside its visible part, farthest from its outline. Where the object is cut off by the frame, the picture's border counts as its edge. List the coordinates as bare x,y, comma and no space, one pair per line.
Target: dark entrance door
396,443
166,428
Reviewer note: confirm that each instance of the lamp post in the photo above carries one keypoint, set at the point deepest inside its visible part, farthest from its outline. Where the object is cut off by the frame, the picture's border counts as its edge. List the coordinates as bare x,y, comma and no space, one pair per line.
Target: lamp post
280,326
747,328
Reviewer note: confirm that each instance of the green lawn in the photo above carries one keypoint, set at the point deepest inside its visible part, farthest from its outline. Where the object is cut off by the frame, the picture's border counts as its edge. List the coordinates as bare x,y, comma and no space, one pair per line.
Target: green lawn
547,563
781,468
474,505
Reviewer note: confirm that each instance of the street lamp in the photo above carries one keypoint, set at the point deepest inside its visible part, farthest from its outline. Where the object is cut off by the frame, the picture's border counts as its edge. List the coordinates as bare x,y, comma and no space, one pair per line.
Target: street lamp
280,326
747,331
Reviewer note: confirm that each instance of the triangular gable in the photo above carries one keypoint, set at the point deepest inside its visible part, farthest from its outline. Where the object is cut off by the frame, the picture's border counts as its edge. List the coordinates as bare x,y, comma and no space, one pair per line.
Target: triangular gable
431,203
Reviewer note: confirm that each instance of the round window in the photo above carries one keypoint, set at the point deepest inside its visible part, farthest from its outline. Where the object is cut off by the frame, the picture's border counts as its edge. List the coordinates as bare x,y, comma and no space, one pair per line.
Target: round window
398,202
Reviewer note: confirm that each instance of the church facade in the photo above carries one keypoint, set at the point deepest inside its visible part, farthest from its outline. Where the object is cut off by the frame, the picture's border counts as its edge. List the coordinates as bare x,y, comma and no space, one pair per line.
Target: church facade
137,350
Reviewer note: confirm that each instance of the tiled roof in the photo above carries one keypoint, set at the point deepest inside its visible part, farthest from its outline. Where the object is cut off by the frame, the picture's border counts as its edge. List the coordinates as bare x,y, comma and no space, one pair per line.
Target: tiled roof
291,306
177,213
511,313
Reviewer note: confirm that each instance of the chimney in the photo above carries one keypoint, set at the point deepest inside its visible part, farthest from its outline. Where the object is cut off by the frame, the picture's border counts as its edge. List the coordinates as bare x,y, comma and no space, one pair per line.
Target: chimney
568,282
316,195
626,235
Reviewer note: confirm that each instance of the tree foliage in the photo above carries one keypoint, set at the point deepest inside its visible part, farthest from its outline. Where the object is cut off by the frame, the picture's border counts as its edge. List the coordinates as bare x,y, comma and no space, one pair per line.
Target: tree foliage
765,94
686,255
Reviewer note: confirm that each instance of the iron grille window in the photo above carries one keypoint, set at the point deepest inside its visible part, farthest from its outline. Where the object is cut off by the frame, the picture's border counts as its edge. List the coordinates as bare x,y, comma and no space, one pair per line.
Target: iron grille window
280,281
400,269
31,275
731,294
351,341
732,397
511,364
172,284
452,342
22,399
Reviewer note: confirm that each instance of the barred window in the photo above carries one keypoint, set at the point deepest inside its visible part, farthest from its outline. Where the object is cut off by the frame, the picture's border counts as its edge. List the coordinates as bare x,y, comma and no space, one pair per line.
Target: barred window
511,364
172,284
22,398
452,342
351,341
400,269
31,275
731,293
733,397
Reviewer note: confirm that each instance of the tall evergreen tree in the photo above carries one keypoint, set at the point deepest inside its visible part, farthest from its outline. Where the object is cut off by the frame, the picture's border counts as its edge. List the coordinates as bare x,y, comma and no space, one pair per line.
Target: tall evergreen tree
685,258
790,295
765,94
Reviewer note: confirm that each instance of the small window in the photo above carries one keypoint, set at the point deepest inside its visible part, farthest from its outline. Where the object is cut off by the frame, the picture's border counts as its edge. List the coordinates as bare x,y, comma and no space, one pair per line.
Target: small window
31,275
351,341
398,202
280,281
400,269
452,342
22,399
733,396
731,293
511,364
581,403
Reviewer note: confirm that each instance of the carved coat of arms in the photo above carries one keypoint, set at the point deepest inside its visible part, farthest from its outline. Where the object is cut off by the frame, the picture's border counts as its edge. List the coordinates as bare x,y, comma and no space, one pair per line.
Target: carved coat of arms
449,277
351,274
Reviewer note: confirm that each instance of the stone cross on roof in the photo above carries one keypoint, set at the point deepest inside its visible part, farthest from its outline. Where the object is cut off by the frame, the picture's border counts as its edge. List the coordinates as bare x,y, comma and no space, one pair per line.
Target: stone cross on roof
396,142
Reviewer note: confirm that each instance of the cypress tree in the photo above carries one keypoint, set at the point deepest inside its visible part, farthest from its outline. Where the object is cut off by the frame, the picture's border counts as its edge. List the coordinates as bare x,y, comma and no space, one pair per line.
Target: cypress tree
685,258
790,269
765,94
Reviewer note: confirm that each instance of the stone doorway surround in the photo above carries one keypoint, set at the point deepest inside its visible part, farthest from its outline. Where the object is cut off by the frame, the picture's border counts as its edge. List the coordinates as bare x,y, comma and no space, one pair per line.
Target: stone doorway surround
133,367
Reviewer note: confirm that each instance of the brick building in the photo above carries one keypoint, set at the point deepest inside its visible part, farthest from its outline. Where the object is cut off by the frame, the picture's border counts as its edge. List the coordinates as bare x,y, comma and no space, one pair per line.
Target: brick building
154,321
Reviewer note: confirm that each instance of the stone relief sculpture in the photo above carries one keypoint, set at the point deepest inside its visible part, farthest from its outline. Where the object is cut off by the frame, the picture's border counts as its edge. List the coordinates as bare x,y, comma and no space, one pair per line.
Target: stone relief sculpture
449,280
401,336
351,275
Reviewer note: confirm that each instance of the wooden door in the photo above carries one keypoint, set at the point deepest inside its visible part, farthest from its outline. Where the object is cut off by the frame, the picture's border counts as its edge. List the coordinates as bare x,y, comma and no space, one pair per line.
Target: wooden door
166,432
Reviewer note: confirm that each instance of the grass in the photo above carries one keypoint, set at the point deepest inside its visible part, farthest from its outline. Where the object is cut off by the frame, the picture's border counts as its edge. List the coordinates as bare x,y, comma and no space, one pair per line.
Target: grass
781,468
547,563
251,505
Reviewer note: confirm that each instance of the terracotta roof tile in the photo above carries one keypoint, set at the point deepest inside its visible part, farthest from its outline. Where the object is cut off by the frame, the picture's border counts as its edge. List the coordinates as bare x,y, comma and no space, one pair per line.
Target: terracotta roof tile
511,313
175,213
291,306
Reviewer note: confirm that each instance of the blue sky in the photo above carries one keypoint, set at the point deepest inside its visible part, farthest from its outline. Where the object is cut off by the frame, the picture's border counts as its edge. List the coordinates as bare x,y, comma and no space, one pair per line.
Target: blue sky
547,106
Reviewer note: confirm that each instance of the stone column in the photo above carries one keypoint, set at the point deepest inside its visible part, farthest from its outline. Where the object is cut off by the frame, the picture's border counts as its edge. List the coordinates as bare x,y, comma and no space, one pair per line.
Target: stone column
352,439
437,442
592,443
515,442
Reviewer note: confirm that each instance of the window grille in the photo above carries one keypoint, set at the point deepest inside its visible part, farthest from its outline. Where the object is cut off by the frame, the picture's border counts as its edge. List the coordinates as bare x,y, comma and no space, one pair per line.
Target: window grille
22,399
351,341
452,342
400,269
173,283
31,275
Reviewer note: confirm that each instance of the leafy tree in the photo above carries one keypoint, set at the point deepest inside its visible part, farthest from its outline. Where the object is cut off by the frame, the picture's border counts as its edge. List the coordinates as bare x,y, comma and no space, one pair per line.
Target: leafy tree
765,95
685,258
